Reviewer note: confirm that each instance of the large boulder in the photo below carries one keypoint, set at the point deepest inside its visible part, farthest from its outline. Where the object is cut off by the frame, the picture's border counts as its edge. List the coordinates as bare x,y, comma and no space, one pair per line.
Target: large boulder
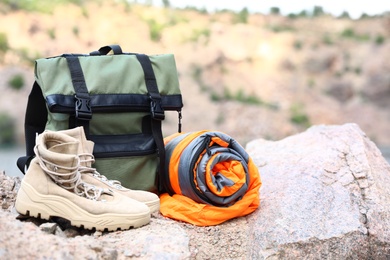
325,195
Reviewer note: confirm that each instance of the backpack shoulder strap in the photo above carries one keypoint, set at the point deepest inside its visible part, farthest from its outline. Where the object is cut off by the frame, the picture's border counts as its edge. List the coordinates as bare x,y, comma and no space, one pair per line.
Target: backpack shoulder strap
157,113
34,122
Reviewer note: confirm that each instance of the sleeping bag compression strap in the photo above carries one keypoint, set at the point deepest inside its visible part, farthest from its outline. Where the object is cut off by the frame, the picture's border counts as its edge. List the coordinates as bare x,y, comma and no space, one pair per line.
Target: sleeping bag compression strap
157,113
34,123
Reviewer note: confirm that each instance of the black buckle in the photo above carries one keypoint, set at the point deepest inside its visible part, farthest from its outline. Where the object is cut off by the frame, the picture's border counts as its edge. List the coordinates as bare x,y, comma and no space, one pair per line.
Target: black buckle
156,109
83,108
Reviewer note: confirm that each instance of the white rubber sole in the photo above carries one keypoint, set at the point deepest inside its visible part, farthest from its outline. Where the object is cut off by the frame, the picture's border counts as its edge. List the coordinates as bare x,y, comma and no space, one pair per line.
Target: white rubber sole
153,205
32,203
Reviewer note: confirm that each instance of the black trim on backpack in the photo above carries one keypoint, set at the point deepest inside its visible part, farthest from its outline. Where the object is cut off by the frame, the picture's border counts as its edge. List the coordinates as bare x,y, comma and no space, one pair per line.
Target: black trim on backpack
34,122
58,103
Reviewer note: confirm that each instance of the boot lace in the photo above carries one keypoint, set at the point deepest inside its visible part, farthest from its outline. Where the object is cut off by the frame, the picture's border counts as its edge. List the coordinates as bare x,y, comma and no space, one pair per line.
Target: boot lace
70,179
89,159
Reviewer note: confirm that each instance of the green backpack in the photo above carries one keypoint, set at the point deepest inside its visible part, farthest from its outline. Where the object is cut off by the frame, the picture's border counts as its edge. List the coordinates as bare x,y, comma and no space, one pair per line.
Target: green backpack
119,99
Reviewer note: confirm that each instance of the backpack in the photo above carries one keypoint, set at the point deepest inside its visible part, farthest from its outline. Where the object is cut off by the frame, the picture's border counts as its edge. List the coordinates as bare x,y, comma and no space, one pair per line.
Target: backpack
120,100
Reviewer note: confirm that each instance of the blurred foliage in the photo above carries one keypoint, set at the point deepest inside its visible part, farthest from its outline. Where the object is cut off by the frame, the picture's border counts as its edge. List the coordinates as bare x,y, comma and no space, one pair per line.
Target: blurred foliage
298,45
350,33
274,10
379,40
198,33
155,29
44,6
298,115
318,11
4,46
7,130
28,56
52,33
242,16
16,82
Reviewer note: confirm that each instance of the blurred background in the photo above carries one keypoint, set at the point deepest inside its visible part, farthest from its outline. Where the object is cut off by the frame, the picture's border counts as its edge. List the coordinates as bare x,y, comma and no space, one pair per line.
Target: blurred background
247,68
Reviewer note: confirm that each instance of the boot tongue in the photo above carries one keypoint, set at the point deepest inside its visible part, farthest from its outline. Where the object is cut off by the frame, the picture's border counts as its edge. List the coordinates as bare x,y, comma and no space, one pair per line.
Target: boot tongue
68,152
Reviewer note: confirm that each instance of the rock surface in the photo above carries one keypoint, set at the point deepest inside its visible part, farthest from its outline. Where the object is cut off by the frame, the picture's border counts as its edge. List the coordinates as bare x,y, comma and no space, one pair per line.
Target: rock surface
324,196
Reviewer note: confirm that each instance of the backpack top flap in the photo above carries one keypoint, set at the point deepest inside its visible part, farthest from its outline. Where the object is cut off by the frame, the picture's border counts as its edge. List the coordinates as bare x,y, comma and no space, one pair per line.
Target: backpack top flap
109,75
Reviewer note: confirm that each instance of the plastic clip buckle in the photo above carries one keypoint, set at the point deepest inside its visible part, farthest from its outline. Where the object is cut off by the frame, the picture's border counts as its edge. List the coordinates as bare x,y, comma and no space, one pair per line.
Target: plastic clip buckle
83,108
156,109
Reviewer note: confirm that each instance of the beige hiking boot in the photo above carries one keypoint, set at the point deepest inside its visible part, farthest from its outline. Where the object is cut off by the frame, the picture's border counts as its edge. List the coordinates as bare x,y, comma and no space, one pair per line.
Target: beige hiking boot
90,175
53,186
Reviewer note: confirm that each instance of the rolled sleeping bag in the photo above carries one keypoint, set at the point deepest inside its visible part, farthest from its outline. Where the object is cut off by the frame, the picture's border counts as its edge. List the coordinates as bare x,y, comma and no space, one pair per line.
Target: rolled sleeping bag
209,178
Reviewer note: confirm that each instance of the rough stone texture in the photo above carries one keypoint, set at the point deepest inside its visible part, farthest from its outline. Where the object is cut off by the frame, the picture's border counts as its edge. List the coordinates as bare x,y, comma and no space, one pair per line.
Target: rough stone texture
324,195
159,239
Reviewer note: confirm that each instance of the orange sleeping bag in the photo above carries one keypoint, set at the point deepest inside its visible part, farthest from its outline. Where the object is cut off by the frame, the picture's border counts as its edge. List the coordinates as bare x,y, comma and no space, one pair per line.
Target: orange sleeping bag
210,179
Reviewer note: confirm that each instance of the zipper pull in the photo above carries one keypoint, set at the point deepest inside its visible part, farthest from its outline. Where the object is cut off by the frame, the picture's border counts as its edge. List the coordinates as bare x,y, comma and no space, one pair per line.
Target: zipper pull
179,124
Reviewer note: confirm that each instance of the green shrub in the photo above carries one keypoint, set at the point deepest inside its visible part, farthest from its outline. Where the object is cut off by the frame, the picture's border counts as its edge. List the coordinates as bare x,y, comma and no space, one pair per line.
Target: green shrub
4,46
348,33
242,16
379,39
311,83
292,16
298,115
43,6
202,10
327,40
52,33
197,33
303,13
85,12
345,15
7,130
281,28
358,70
16,82
27,56
76,31
297,45
197,73
274,10
364,16
318,11
155,30
166,3
215,97
241,97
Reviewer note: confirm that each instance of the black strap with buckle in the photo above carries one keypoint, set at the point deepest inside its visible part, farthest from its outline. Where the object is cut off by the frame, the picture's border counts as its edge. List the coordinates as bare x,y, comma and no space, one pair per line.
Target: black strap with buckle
157,113
156,108
83,111
83,108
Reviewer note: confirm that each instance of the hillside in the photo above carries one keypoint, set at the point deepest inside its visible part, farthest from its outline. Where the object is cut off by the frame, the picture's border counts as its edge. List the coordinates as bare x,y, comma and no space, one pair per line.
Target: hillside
267,76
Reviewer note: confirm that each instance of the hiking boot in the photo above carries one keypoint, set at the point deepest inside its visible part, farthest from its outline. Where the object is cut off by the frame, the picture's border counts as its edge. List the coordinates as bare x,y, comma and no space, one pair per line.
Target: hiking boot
53,187
90,175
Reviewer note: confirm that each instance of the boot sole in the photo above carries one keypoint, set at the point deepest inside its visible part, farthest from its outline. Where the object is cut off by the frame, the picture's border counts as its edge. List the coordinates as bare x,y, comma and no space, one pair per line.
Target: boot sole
154,205
32,203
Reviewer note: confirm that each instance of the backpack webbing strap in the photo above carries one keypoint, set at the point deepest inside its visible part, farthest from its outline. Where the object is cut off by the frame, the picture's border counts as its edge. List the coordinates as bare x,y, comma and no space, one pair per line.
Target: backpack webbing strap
83,112
157,113
34,123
